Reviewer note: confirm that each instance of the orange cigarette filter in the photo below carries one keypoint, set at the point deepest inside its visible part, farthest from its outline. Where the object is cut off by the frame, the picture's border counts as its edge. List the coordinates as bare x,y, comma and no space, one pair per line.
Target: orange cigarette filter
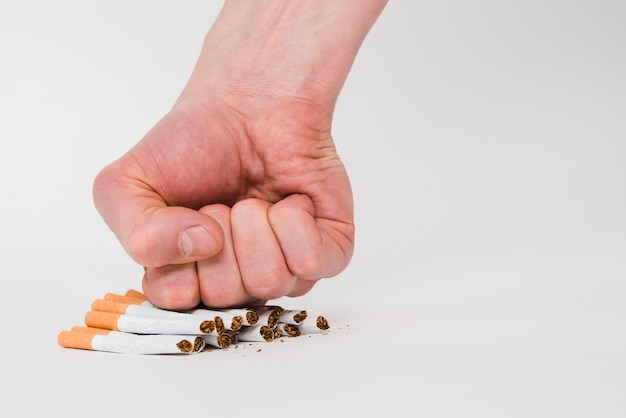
77,339
104,305
90,330
135,294
99,319
114,297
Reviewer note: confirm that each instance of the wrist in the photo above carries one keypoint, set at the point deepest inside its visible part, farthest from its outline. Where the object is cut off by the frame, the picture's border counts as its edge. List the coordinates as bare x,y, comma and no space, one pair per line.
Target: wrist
300,50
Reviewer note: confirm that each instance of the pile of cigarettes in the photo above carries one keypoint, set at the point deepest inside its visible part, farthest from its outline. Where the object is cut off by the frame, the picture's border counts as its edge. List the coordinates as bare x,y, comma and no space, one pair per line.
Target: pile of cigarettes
129,323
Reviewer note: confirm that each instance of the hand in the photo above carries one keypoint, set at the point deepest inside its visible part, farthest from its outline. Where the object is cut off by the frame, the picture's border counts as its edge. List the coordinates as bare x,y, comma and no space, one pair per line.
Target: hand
229,207
237,195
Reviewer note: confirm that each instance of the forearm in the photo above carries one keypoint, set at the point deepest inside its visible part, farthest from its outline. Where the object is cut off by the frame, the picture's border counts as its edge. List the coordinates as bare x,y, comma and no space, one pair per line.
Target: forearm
284,48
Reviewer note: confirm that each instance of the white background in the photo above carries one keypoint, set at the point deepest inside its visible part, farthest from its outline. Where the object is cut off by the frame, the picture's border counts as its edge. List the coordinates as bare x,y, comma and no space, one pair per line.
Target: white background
486,143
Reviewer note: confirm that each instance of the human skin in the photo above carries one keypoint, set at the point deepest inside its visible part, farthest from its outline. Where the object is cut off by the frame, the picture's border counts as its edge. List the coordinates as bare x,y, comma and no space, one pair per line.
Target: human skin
237,195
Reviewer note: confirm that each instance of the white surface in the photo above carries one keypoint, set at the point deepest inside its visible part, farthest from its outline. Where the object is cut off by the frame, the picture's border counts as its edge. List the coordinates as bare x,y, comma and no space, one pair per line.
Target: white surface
486,145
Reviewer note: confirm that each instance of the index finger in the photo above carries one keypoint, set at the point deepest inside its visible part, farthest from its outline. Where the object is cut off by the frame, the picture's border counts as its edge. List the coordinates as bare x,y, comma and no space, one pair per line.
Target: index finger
152,233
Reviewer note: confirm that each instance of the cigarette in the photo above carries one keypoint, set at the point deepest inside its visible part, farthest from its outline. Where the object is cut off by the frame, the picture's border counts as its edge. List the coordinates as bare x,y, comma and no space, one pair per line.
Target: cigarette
235,322
250,316
269,315
293,317
143,310
147,325
290,330
258,332
88,338
313,325
129,323
220,341
104,305
235,317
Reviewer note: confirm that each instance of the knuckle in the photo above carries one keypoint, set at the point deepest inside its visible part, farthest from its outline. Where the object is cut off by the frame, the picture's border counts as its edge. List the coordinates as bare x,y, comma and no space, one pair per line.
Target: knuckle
269,285
306,264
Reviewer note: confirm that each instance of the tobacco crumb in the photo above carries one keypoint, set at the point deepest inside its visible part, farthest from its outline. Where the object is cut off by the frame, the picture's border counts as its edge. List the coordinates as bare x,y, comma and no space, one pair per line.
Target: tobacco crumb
258,350
184,346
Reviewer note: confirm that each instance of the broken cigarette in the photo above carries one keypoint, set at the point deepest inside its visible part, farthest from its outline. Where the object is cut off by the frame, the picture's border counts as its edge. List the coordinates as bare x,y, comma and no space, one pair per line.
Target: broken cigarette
129,323
233,318
223,320
88,338
223,340
289,330
230,318
269,315
258,332
293,316
313,325
147,325
250,316
112,306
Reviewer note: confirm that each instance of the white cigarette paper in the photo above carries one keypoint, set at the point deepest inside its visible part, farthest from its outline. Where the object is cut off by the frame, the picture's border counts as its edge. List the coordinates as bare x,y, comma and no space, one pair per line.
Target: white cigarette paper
256,333
157,325
147,325
219,341
232,318
314,324
293,316
269,315
287,330
127,343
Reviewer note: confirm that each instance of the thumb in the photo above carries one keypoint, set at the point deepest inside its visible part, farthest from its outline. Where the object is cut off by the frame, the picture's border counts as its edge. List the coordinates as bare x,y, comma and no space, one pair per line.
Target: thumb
173,235
151,232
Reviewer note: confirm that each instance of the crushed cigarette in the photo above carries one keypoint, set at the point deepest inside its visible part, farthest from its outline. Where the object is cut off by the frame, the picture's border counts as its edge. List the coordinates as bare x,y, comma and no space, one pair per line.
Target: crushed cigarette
289,330
259,332
129,323
96,339
293,317
314,324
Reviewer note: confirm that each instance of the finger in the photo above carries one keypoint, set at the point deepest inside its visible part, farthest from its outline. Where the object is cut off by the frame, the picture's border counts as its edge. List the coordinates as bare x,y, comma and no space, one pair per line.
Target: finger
152,233
301,287
219,277
313,247
174,286
264,273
